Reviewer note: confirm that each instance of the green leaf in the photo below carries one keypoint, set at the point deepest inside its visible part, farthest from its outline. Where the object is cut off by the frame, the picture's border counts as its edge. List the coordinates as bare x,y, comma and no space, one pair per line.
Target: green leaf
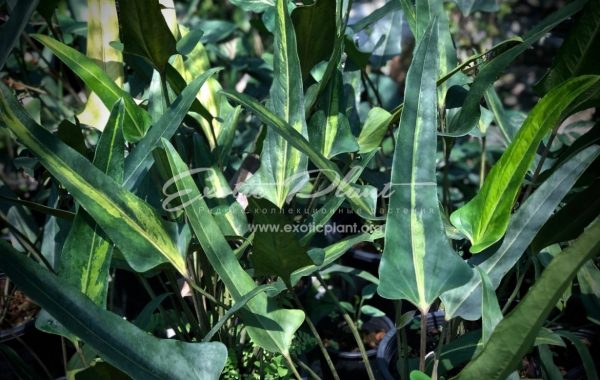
103,28
257,6
137,122
514,336
579,53
418,375
85,258
469,6
283,168
134,226
468,116
275,252
418,263
526,222
144,32
584,353
329,128
140,158
315,27
374,129
484,218
270,327
355,196
119,342
580,211
11,30
589,286
491,314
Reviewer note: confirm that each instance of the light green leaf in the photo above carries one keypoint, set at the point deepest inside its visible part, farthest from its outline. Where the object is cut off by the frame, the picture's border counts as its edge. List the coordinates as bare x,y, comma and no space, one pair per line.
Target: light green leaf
578,54
129,222
484,219
514,336
374,129
283,167
465,301
468,116
360,199
137,122
270,327
145,33
103,28
418,263
119,342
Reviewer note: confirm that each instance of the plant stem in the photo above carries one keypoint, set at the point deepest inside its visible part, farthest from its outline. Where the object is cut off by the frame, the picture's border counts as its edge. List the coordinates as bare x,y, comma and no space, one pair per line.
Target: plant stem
292,366
423,341
315,333
352,326
308,370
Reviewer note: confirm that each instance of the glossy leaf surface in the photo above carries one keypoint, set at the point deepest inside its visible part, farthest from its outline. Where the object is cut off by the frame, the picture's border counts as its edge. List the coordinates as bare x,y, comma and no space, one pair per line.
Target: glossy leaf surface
484,218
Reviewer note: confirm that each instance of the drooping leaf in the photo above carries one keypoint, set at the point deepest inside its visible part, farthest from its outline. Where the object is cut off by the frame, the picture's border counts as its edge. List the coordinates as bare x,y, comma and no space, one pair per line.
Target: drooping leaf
275,252
468,116
11,31
140,158
103,28
584,354
283,167
144,32
514,336
137,122
270,327
129,222
418,263
484,218
465,301
580,51
119,342
315,28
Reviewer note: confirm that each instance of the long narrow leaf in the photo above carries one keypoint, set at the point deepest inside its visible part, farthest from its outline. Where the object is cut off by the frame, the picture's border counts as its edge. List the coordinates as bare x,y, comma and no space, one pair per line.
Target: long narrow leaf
465,301
418,264
270,327
138,120
119,342
515,335
485,218
134,226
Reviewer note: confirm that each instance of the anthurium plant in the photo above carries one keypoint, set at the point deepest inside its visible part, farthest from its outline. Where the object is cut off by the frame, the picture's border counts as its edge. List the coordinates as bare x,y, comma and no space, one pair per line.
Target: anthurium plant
220,162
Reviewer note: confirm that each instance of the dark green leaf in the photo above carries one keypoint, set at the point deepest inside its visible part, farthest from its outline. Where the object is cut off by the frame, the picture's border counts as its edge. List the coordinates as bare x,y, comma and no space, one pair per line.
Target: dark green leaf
11,31
119,342
514,336
418,264
144,32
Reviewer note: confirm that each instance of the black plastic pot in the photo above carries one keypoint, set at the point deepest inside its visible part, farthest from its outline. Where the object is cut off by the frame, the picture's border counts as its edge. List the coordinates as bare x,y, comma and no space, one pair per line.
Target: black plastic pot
349,365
